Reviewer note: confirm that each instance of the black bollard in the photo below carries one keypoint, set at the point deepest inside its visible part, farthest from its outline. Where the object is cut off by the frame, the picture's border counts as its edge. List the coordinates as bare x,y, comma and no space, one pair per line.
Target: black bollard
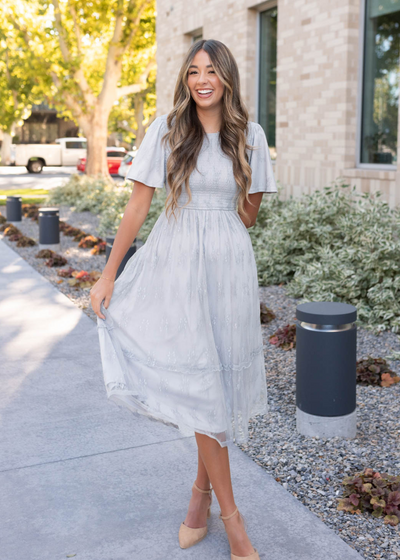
326,355
49,226
137,243
14,209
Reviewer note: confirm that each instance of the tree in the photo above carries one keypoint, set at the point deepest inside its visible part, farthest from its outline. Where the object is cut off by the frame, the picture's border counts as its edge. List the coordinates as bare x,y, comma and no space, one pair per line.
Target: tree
18,86
95,53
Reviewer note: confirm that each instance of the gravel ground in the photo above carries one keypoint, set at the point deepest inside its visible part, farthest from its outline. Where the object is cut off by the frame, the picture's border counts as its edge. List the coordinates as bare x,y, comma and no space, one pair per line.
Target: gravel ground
311,469
78,258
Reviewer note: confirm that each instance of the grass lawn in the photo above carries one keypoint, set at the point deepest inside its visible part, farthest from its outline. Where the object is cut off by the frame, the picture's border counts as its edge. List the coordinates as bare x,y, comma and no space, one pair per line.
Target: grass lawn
29,196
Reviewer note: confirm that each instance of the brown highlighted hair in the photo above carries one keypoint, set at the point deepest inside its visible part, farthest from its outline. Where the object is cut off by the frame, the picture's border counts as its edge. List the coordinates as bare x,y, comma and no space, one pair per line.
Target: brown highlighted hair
186,133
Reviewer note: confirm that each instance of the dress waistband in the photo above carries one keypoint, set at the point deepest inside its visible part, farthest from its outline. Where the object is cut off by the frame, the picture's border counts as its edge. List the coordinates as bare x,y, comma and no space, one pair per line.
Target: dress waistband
204,208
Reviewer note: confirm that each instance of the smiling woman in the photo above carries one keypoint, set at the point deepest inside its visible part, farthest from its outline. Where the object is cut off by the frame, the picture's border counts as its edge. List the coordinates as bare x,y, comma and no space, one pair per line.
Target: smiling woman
181,337
204,85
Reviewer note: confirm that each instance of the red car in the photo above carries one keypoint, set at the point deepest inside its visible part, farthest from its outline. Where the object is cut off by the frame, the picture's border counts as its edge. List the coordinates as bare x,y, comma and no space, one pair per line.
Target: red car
114,159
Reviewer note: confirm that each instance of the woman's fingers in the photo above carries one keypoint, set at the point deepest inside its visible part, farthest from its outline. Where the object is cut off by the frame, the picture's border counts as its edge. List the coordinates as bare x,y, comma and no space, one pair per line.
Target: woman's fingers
96,303
97,296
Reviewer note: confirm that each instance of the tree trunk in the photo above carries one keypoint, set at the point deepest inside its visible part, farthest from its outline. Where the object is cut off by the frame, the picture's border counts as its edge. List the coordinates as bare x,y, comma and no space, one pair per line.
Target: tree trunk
6,146
95,129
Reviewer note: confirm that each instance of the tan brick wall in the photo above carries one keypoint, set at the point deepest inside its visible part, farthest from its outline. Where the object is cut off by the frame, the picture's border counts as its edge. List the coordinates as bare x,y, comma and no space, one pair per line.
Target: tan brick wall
317,82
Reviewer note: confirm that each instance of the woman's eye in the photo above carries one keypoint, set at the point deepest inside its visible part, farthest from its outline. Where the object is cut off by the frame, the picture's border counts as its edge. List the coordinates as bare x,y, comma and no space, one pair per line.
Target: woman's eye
194,72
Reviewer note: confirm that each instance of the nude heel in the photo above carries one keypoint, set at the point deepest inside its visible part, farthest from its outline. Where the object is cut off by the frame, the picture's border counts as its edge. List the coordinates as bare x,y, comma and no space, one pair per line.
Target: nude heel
254,555
189,536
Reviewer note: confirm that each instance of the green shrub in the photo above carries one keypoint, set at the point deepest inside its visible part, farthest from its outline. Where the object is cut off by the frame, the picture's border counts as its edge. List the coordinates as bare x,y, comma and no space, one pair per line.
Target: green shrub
105,199
333,245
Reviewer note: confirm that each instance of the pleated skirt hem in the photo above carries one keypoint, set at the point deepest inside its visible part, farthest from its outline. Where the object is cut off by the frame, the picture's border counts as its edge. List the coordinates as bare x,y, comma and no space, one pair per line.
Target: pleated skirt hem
124,398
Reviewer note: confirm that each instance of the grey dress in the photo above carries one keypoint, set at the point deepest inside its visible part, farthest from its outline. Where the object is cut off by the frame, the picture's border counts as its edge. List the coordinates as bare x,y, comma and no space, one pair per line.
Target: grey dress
181,342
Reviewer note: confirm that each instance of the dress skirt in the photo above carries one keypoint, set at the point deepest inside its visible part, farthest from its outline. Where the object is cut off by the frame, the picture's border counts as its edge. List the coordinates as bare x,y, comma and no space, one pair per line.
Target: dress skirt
181,342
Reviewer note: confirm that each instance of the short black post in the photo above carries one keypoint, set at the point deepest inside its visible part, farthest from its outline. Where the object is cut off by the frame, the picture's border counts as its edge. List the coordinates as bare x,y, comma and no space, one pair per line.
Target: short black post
49,228
137,243
326,350
14,209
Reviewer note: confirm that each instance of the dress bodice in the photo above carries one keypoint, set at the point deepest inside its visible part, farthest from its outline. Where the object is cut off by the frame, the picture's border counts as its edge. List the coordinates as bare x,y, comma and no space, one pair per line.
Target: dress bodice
212,182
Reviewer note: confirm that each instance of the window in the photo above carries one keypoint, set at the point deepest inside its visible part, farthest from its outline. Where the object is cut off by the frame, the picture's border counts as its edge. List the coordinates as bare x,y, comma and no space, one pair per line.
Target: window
197,35
116,154
267,76
76,145
380,88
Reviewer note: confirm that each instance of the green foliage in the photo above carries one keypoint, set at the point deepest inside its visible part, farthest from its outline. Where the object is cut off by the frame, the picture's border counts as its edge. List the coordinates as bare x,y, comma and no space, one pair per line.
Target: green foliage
375,371
333,245
369,490
71,44
105,199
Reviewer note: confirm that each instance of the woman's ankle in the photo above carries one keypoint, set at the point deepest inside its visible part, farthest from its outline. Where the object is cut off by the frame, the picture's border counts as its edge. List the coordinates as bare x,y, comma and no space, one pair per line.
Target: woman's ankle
203,485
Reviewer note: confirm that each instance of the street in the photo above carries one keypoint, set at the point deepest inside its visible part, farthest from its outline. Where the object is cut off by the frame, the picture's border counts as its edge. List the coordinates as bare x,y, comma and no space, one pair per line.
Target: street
12,177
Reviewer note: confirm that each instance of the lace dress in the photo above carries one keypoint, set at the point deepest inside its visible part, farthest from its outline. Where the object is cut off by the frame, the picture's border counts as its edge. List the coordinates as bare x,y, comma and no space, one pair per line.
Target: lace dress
181,340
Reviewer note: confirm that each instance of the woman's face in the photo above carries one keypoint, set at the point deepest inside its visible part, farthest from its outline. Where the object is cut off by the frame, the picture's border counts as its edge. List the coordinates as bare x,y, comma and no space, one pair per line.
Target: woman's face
205,86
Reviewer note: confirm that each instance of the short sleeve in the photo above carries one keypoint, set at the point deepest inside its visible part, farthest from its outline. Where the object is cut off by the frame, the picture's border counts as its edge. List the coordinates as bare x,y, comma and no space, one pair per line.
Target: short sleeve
262,175
149,165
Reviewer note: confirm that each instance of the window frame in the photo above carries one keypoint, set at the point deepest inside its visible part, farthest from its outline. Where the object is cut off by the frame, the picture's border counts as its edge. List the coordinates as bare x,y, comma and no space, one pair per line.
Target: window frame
359,108
265,7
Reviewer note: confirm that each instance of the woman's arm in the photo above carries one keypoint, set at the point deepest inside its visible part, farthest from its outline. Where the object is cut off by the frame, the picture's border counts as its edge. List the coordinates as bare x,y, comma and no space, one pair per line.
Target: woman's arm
135,214
252,211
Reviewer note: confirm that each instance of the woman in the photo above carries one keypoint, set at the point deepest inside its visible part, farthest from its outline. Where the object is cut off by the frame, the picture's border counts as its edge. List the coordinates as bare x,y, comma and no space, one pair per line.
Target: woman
179,330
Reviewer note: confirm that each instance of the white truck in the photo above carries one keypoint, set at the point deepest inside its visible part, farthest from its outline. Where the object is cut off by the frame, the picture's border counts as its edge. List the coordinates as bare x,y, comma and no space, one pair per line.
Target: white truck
64,151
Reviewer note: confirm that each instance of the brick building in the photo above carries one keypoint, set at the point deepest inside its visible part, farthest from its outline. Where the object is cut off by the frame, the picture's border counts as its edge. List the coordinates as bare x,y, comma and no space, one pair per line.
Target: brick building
321,77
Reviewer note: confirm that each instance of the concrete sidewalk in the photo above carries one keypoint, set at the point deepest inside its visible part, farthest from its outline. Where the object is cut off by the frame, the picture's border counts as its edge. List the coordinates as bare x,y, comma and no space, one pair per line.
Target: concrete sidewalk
78,475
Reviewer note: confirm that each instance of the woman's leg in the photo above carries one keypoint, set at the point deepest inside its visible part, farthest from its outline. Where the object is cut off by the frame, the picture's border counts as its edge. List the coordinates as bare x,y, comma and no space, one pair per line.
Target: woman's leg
216,462
199,502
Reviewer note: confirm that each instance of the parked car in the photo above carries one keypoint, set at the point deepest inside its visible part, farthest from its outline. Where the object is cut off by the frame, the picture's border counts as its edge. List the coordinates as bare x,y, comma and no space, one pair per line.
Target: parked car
64,151
115,156
126,163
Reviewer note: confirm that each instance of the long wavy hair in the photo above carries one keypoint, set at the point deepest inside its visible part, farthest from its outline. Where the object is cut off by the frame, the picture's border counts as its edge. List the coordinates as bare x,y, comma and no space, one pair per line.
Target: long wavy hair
186,133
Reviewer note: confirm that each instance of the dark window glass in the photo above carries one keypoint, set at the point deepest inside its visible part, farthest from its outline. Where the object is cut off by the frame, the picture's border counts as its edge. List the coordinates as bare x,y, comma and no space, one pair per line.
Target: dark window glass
380,100
116,154
75,145
267,73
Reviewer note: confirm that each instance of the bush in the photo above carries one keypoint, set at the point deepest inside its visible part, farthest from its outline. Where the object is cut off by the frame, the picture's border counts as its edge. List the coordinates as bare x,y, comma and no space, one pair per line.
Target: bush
106,199
375,371
333,245
374,492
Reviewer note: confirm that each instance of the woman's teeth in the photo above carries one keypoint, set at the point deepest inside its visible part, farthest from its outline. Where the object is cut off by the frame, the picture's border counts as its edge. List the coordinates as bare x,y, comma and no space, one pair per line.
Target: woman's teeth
204,92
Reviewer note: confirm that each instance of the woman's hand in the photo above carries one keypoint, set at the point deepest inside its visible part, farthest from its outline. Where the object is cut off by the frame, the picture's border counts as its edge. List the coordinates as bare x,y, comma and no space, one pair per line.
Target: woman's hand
102,290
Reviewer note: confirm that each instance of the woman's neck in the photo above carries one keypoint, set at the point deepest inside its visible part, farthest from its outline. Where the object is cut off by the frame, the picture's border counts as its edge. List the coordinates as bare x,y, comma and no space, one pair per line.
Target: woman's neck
211,119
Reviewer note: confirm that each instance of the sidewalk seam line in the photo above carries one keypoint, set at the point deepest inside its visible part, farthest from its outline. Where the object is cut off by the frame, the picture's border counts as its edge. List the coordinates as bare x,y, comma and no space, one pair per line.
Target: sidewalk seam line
94,454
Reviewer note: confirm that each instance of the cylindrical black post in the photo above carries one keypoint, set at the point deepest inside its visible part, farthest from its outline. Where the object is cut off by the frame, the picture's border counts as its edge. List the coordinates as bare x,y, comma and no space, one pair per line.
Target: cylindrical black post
326,346
49,226
137,243
14,209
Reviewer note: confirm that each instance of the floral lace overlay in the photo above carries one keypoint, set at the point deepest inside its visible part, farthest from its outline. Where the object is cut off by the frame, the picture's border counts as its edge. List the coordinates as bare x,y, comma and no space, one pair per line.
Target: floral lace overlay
181,340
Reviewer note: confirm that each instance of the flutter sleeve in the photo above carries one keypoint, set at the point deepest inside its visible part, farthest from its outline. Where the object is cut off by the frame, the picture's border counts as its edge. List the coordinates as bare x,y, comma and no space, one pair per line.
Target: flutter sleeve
262,175
149,164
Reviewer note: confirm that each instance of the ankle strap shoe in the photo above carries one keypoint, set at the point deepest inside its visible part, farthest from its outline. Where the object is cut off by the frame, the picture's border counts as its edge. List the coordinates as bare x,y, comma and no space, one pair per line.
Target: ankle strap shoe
254,555
189,536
